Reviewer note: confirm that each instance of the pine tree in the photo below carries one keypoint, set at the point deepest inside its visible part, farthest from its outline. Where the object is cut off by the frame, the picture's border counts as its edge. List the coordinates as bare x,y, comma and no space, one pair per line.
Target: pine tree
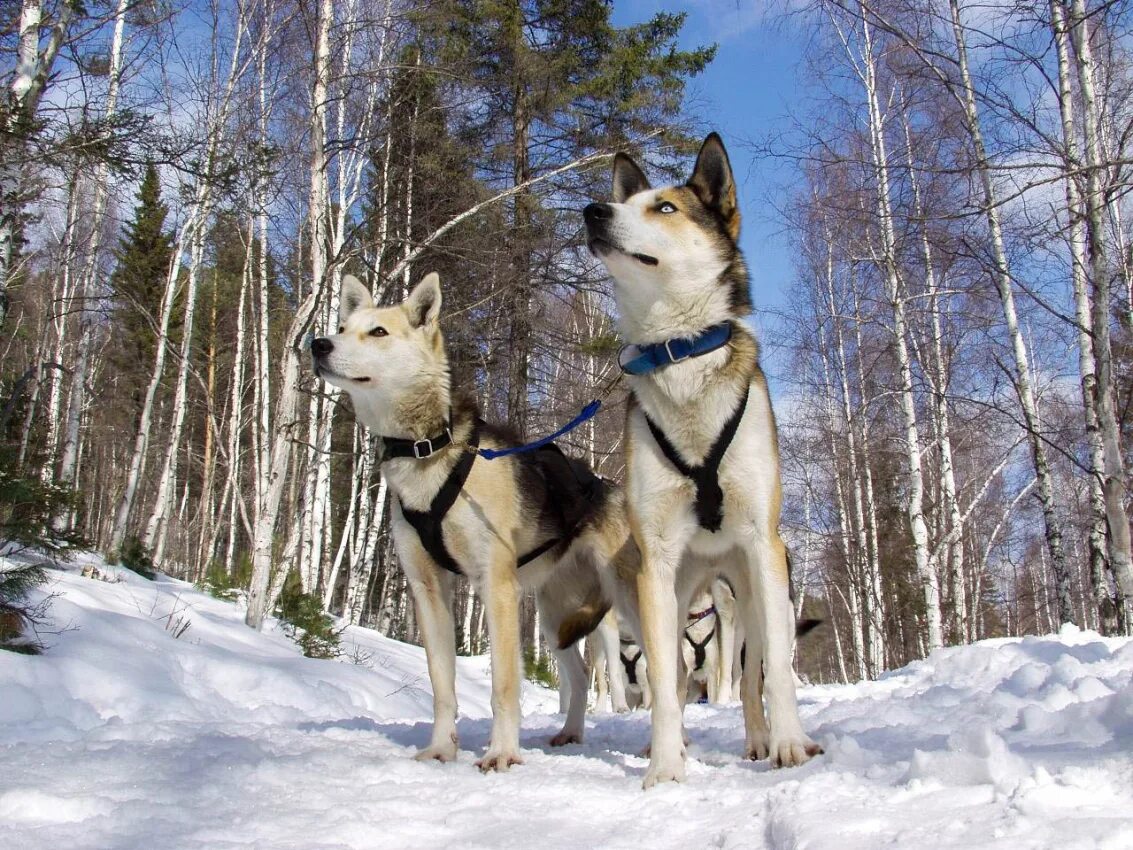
144,253
553,80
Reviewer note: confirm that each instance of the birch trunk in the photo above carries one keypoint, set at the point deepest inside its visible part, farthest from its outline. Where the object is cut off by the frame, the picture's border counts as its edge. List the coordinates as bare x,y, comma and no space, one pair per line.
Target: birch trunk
1002,278
926,569
1098,560
1114,472
275,472
33,68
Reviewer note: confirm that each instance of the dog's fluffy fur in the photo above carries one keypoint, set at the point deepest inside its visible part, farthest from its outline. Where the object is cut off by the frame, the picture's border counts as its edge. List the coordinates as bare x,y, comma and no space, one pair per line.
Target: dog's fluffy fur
677,269
392,362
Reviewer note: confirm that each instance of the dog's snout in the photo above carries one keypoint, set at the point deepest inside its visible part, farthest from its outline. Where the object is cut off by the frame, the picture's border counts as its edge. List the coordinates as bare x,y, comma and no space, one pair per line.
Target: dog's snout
321,346
595,213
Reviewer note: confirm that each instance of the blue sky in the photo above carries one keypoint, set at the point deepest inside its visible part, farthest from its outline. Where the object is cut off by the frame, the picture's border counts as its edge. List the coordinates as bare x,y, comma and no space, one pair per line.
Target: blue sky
745,94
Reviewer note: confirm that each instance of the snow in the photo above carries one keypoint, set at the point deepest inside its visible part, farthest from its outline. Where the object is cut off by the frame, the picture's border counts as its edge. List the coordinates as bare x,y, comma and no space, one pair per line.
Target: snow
122,736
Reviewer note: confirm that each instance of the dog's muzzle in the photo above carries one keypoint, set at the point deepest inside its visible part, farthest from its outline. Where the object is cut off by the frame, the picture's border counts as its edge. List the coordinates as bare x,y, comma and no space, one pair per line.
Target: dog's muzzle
321,346
598,218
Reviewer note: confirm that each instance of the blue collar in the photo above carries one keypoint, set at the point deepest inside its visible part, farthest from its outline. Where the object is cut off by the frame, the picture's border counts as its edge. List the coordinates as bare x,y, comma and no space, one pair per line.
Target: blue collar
643,359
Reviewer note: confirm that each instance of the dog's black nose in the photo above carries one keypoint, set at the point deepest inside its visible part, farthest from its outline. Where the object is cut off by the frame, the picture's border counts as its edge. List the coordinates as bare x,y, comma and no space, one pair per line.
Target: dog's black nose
595,213
321,346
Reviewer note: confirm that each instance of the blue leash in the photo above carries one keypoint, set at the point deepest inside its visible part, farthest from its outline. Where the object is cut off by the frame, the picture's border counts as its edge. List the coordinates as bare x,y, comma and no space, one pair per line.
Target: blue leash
586,413
633,360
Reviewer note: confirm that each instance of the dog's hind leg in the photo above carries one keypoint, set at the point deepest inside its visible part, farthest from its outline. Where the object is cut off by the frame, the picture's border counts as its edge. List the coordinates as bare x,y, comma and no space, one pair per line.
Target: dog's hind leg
609,639
573,669
770,633
500,589
599,664
432,594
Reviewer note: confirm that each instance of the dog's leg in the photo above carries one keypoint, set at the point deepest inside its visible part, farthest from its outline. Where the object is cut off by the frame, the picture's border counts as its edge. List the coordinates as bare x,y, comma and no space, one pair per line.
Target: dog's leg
609,638
432,594
725,638
660,624
573,669
599,666
501,595
769,619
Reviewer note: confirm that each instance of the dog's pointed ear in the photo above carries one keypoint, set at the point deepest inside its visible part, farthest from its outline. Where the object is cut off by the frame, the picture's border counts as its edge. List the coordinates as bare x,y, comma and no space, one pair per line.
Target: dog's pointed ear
424,303
714,184
628,178
355,296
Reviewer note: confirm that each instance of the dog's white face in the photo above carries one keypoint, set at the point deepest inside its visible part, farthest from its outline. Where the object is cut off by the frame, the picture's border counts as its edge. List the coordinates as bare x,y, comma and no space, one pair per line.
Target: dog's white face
667,249
380,354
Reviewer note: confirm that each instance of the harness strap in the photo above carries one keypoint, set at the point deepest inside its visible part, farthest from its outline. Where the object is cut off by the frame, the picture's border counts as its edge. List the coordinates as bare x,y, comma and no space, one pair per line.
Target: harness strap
631,666
706,476
700,615
428,524
699,649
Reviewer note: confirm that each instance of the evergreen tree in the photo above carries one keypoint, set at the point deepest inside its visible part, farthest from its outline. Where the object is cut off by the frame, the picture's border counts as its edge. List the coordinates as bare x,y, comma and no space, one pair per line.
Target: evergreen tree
144,254
549,82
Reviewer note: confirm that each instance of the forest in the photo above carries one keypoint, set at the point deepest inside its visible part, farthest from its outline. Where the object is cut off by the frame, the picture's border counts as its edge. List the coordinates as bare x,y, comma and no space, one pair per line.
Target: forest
183,186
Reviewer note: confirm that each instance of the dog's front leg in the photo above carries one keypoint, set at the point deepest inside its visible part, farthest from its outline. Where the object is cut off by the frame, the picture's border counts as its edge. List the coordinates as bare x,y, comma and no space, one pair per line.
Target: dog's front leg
432,592
656,587
770,617
501,594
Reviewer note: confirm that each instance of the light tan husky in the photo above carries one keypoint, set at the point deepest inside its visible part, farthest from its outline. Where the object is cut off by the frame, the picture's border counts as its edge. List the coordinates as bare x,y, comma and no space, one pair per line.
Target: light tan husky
454,511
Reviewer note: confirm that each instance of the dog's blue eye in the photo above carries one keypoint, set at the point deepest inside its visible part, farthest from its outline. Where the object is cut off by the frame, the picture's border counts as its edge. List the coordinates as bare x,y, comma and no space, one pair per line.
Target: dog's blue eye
378,331
666,208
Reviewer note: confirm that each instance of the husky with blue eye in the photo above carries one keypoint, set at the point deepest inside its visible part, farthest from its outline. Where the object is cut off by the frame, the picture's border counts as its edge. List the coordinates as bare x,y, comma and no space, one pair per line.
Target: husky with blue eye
703,486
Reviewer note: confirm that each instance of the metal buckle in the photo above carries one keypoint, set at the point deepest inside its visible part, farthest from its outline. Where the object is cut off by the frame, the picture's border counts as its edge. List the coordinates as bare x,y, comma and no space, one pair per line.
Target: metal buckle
669,351
417,451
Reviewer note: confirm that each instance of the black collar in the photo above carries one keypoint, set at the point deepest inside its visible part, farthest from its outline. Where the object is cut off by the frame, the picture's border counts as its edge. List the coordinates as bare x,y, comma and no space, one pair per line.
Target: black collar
400,447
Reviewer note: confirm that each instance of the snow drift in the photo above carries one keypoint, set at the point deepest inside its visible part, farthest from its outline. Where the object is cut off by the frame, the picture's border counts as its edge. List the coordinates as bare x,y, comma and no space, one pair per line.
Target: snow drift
123,736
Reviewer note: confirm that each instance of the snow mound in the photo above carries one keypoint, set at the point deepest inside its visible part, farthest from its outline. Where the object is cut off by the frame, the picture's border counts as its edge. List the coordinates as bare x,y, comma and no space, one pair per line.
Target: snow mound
124,736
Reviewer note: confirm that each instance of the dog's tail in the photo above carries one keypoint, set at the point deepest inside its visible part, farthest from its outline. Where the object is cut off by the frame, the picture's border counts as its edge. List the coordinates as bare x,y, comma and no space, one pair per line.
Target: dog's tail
583,621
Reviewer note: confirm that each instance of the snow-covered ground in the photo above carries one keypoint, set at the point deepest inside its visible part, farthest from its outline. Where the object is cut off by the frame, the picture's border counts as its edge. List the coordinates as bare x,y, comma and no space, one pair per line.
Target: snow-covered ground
123,736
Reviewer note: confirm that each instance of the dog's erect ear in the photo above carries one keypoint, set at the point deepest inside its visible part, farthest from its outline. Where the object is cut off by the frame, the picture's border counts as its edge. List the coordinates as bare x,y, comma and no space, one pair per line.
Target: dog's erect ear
714,184
355,296
628,178
424,303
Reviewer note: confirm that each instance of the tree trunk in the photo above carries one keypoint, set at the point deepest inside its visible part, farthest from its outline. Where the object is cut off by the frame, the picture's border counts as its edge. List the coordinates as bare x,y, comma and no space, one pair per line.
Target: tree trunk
1022,377
1113,481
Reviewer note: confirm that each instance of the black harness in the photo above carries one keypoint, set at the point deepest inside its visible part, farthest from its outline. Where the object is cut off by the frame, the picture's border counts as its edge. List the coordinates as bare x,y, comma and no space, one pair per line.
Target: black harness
709,497
700,649
631,666
428,524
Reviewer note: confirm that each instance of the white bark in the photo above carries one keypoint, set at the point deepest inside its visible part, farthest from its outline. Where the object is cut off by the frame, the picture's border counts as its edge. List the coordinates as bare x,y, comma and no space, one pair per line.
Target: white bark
1120,555
1097,535
275,473
926,569
1001,274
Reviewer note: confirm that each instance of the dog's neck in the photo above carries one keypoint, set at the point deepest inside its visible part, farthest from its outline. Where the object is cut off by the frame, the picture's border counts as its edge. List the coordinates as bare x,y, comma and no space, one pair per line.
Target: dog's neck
419,413
654,319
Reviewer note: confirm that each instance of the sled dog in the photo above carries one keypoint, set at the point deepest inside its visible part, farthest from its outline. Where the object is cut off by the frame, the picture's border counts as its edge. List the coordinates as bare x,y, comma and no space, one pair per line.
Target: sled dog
703,487
526,521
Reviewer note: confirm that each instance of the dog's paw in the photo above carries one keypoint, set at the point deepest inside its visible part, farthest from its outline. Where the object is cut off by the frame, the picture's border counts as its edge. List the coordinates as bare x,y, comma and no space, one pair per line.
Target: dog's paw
791,752
439,752
499,760
664,770
758,746
621,709
565,737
